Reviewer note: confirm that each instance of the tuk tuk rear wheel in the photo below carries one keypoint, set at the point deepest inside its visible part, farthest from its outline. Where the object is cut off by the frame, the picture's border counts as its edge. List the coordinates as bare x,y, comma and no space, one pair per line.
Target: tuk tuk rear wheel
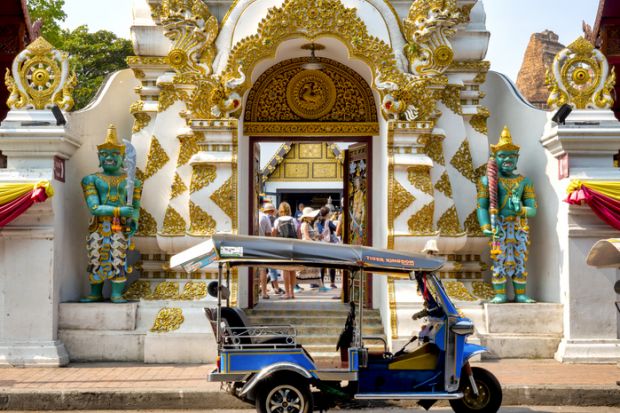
489,398
284,394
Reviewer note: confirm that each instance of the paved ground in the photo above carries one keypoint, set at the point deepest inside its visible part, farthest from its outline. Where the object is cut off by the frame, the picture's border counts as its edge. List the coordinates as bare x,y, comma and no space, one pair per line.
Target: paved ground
139,386
128,376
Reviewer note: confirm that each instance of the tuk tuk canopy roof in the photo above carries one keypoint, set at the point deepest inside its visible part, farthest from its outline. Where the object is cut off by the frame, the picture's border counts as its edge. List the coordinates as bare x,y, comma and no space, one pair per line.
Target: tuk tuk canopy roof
243,250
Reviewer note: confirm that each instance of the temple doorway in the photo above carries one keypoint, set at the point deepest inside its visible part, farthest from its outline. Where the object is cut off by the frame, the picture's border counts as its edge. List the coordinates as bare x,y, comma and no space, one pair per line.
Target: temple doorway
315,173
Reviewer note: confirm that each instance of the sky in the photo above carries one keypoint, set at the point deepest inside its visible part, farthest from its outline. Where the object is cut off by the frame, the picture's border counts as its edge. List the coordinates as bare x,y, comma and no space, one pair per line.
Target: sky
511,23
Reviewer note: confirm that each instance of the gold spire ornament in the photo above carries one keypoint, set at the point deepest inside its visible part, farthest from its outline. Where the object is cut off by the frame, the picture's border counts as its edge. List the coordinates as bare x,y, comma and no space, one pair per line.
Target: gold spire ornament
40,78
111,141
580,76
505,142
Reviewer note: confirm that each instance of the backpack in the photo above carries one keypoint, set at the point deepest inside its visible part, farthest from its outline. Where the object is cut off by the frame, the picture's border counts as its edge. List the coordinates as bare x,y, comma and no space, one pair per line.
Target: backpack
286,229
323,230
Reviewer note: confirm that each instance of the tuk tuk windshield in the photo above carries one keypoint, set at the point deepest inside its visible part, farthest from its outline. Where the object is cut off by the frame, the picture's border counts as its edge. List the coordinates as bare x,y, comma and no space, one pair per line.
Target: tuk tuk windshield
436,300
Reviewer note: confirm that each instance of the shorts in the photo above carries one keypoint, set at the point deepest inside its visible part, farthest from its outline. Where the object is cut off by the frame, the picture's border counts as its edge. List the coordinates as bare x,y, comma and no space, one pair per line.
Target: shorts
272,274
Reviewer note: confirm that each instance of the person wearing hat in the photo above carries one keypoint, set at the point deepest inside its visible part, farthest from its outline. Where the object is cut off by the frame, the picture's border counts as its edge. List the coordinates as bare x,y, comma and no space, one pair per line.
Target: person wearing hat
264,230
286,227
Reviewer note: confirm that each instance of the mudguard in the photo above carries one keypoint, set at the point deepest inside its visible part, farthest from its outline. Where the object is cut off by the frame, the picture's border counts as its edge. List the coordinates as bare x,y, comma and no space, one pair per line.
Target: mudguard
268,371
471,350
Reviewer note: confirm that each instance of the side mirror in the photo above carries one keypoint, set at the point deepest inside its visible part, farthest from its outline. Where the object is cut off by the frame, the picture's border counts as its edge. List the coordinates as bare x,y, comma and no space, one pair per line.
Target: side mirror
213,287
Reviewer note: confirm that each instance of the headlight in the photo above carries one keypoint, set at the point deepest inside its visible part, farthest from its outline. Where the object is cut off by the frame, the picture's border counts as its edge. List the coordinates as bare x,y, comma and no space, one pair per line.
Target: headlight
463,327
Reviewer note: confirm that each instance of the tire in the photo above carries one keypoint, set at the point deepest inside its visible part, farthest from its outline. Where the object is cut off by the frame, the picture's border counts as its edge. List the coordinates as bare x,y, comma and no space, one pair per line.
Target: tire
284,394
489,397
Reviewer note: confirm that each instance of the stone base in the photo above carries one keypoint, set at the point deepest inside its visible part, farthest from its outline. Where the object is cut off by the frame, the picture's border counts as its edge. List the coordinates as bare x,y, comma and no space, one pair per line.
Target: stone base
121,332
179,348
522,330
104,345
41,354
588,351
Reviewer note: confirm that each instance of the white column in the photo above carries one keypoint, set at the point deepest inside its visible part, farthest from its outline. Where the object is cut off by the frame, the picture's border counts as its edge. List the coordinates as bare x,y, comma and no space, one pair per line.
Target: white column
36,248
585,145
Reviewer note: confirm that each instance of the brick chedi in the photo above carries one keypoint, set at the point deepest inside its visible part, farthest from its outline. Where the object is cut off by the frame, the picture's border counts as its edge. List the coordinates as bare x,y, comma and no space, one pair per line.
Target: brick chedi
539,55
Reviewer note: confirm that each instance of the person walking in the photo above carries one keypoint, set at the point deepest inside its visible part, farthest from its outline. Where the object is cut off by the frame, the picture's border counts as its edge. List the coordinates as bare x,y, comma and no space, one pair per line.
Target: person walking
265,229
285,227
326,233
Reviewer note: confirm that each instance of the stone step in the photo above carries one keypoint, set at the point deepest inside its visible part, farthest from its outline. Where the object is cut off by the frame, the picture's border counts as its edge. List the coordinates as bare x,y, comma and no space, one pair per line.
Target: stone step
104,345
519,345
536,318
334,330
307,321
97,316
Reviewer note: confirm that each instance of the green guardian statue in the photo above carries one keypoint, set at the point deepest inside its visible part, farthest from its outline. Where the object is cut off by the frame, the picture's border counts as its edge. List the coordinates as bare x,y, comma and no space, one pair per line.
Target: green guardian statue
113,199
505,201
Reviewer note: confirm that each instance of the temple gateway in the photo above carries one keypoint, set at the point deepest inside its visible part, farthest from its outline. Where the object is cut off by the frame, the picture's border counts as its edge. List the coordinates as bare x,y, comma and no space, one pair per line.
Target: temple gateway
386,106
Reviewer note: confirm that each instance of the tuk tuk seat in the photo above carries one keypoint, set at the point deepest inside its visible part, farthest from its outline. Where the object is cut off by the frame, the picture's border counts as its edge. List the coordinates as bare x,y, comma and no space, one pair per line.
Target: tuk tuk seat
235,318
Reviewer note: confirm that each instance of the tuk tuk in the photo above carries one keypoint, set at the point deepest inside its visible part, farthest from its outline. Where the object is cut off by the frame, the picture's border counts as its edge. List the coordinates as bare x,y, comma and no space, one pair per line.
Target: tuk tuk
266,366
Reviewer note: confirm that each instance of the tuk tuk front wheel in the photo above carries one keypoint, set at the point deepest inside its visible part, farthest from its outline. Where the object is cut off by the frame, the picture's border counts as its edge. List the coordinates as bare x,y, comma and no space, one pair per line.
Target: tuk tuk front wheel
284,395
489,398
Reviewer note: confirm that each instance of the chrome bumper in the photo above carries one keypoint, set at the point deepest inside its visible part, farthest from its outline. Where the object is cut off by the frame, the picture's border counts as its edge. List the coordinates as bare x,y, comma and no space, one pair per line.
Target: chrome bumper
214,376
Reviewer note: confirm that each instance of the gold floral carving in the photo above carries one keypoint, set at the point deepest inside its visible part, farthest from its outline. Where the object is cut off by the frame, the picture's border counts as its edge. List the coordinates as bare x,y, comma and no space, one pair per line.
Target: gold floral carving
402,94
483,290
192,29
201,223
443,185
427,28
457,290
462,161
224,197
168,95
40,78
139,289
448,223
580,77
451,97
421,223
202,175
194,290
393,314
146,60
479,120
189,147
402,199
419,176
472,225
271,98
168,319
141,119
156,159
470,66
140,174
166,290
139,73
147,226
178,186
480,171
174,224
434,148
310,128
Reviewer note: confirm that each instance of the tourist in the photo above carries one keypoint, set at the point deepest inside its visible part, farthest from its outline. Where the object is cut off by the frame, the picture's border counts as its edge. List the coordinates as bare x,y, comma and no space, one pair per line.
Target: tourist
327,233
300,211
307,232
286,227
264,230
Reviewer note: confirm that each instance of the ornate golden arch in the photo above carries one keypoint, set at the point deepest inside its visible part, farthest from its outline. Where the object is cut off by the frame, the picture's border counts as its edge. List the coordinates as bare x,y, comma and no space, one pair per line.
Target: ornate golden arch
311,19
343,97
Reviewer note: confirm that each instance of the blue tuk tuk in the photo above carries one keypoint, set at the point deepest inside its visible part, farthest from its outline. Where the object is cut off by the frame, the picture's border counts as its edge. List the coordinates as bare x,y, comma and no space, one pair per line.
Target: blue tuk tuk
265,365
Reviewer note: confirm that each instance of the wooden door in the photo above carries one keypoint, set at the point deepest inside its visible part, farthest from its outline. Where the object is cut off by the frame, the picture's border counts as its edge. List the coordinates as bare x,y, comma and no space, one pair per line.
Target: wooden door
357,208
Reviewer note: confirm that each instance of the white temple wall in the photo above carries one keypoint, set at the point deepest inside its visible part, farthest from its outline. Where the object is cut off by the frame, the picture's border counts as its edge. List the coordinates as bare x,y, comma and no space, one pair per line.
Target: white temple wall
526,124
90,125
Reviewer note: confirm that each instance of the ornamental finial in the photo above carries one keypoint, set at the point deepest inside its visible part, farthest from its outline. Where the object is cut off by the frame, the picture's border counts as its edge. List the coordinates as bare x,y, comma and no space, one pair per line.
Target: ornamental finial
111,141
505,142
580,77
40,78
